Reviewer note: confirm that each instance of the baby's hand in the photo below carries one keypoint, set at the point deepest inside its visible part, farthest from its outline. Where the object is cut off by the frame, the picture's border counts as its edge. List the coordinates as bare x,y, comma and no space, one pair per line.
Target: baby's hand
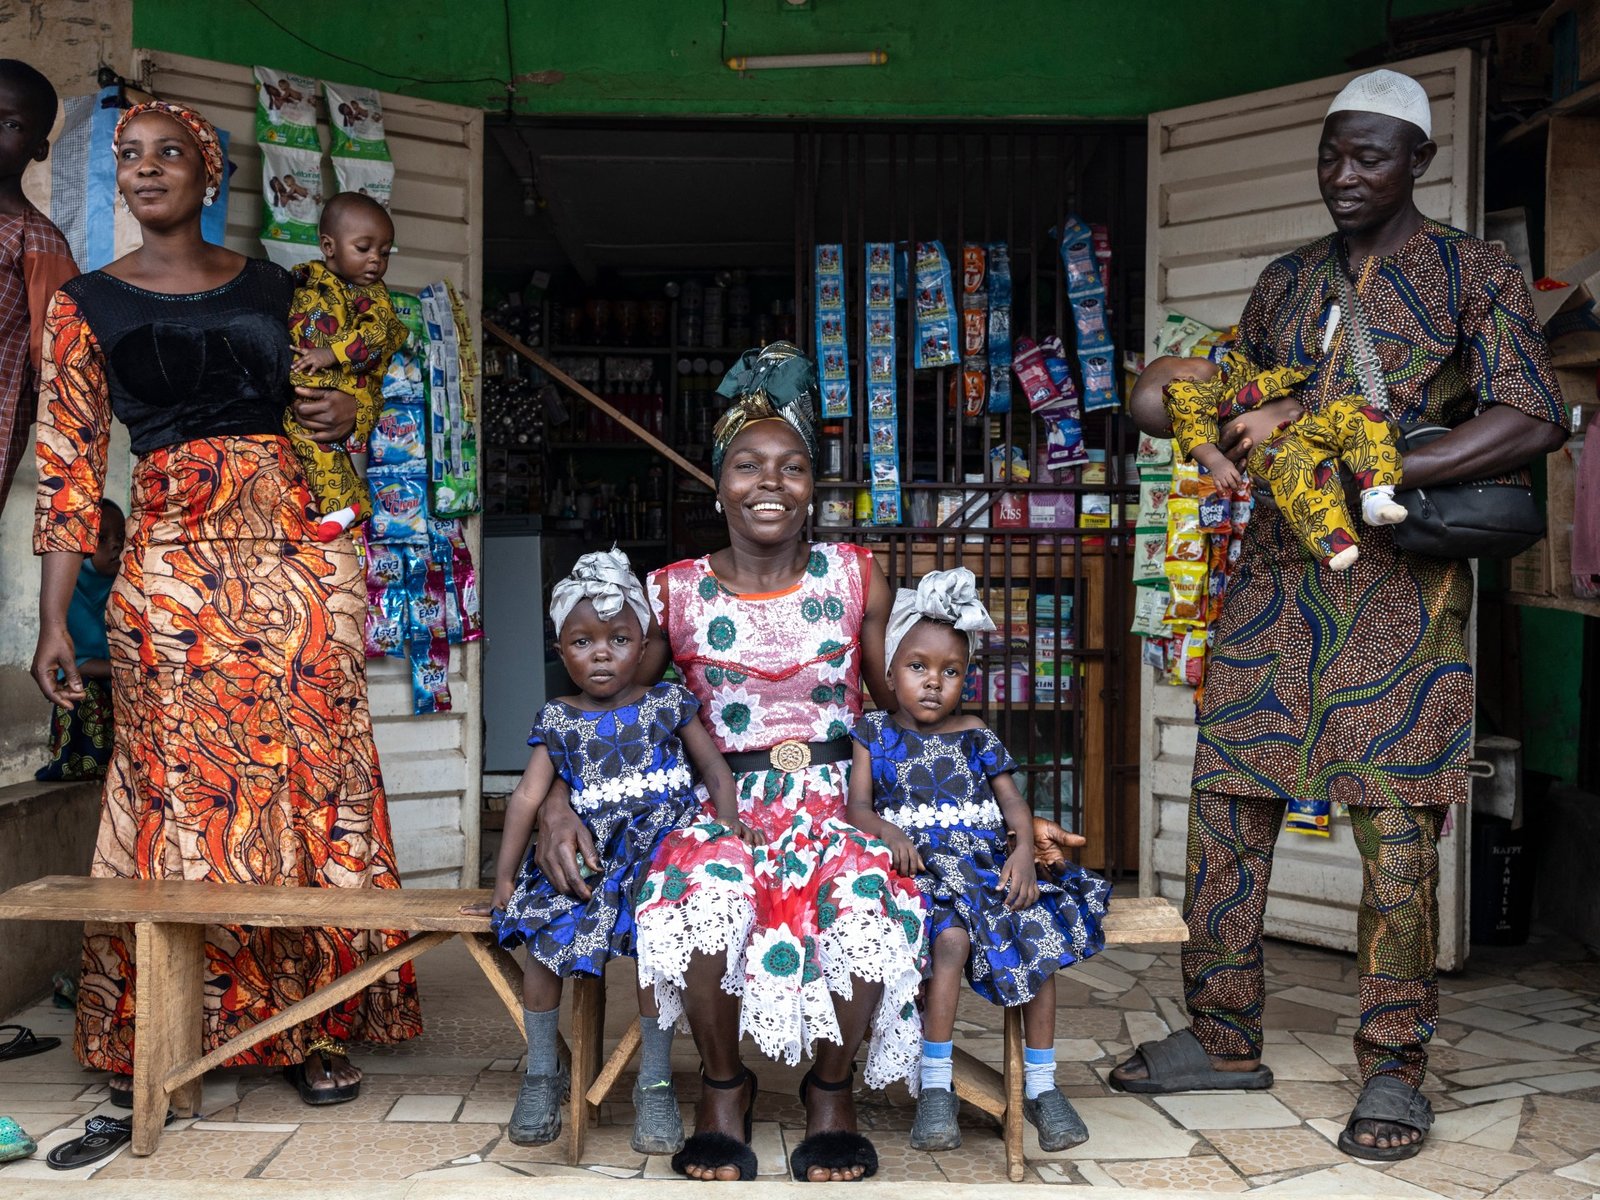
1224,474
750,837
902,853
1017,880
319,358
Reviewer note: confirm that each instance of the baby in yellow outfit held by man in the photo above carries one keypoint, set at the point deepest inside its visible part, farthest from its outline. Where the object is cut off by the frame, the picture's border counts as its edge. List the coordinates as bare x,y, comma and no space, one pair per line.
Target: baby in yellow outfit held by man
1300,462
345,331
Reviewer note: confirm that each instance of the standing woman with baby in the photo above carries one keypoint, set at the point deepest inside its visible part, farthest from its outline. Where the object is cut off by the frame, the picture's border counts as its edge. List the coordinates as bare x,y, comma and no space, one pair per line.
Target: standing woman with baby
244,747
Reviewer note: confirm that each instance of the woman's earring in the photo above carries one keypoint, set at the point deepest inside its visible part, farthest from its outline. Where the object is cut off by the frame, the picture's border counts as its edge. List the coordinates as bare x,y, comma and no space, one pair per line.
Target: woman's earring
810,509
719,505
122,202
211,195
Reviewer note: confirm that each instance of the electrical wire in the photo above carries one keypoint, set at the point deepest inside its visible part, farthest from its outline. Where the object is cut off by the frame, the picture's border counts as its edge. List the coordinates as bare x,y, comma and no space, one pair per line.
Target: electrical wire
511,66
722,46
379,70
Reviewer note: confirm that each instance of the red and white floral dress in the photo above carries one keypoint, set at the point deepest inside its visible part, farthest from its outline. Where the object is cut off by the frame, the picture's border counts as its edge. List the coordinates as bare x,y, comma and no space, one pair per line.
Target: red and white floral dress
819,902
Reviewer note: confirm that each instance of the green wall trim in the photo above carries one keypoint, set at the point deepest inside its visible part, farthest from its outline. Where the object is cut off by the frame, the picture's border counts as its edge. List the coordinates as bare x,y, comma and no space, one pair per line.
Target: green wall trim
1055,59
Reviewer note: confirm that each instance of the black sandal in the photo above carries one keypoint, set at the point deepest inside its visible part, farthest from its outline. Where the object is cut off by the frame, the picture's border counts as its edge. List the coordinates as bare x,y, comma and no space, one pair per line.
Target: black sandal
119,1090
23,1044
837,1149
101,1138
327,1050
1388,1101
711,1151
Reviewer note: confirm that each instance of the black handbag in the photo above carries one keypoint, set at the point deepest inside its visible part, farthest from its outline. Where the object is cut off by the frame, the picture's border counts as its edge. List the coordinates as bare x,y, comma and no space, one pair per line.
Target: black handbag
1465,520
1478,519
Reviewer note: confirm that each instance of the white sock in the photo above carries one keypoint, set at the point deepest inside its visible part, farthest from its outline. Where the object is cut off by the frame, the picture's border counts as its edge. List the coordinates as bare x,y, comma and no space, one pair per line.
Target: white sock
1038,1071
1378,507
936,1063
343,518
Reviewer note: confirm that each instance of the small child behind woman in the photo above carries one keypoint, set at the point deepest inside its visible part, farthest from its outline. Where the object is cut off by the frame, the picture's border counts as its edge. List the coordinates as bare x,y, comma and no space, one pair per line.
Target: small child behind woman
625,750
936,786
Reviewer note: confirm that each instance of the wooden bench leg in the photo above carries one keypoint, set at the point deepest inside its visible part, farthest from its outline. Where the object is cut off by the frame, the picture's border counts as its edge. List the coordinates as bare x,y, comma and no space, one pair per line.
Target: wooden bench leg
588,1034
1013,1085
169,961
502,972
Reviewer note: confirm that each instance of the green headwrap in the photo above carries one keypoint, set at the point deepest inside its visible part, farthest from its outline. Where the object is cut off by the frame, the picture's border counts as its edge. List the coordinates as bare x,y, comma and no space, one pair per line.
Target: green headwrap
777,381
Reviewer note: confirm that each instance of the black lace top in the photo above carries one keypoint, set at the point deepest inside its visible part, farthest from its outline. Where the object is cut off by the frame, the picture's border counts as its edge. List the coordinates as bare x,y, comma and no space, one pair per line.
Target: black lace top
207,364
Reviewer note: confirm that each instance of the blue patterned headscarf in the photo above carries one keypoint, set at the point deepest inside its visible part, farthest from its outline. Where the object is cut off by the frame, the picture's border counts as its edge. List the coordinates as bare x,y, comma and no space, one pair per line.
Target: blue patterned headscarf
776,382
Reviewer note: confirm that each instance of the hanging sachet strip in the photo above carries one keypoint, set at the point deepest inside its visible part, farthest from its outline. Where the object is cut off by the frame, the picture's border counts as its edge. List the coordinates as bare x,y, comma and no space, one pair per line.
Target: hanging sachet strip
935,314
833,353
883,405
359,148
999,340
974,329
1087,294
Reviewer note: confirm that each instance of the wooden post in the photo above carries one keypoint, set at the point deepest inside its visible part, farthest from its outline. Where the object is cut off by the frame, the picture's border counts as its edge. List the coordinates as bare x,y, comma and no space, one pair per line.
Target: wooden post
588,1037
168,964
502,973
1014,1072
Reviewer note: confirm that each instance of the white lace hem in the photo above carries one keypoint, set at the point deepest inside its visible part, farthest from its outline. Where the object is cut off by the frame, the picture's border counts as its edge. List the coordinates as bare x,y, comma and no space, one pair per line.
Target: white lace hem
869,946
712,920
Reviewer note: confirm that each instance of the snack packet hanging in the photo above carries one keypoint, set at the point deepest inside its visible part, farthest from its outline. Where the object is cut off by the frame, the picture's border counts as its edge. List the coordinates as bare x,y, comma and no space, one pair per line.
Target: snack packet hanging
999,333
399,507
1038,387
1149,610
355,115
1064,443
935,333
1150,554
1154,492
291,197
1185,541
1185,477
1055,362
833,357
1309,816
1153,451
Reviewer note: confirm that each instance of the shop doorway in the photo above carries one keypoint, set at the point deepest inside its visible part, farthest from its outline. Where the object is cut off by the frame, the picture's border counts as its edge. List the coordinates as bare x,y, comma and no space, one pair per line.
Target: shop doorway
642,258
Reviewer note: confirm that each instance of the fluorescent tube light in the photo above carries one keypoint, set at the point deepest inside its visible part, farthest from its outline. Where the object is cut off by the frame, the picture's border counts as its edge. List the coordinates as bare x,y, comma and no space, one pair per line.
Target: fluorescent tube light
776,62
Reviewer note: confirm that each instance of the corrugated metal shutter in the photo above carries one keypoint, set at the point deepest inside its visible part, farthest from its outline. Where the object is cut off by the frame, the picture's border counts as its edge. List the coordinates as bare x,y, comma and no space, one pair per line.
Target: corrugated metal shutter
1233,186
431,765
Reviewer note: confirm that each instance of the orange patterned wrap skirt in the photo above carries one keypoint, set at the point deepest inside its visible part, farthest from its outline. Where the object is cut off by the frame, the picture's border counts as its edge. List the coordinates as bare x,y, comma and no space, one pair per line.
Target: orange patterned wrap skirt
244,748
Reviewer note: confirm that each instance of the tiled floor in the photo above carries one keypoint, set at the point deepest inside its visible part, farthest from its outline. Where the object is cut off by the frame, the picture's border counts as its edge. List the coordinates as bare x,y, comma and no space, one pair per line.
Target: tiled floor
1514,1076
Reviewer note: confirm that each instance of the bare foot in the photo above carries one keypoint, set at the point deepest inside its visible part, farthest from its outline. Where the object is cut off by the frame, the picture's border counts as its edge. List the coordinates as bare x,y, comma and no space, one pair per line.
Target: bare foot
1384,1135
1133,1069
828,1111
721,1110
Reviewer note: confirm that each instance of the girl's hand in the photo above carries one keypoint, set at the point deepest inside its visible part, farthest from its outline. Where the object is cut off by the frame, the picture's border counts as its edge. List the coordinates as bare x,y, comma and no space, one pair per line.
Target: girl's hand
499,900
1017,881
750,837
902,853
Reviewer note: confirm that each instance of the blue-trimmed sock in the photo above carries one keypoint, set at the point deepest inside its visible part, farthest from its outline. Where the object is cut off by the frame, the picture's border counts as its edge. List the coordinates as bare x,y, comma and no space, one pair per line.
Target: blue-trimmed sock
936,1063
1038,1071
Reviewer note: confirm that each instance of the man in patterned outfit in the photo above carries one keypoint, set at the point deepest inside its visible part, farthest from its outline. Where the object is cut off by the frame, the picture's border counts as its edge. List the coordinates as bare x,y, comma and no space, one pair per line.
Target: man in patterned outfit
1351,687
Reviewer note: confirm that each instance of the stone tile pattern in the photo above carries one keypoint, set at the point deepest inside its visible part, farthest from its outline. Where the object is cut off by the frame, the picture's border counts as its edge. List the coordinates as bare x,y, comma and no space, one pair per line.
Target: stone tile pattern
1515,1077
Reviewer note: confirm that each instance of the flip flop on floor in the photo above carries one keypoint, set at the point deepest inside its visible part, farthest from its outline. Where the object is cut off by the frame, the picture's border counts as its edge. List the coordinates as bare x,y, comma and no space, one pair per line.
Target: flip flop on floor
1178,1063
836,1149
1394,1102
14,1141
23,1043
102,1137
711,1151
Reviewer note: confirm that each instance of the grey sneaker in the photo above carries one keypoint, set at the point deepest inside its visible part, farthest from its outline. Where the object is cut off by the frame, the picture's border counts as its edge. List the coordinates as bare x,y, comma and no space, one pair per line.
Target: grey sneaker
537,1117
935,1127
657,1124
1059,1125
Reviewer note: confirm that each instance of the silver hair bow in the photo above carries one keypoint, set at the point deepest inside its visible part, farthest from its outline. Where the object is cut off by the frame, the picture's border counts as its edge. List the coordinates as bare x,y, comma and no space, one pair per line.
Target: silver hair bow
606,579
947,596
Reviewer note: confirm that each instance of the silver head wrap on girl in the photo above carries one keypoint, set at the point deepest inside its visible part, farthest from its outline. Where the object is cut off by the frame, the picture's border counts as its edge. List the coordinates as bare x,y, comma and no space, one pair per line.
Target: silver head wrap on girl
606,579
950,597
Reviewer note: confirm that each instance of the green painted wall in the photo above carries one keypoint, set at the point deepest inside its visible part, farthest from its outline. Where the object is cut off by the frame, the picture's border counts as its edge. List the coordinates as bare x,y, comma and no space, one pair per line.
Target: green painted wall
1552,674
1057,58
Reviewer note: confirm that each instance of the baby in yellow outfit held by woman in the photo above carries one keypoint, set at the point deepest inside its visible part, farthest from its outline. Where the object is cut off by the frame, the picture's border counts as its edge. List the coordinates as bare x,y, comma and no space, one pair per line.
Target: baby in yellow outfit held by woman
345,331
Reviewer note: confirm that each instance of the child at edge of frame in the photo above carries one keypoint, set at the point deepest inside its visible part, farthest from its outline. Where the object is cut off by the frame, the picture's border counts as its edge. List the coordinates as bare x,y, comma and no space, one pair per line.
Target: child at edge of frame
935,785
626,752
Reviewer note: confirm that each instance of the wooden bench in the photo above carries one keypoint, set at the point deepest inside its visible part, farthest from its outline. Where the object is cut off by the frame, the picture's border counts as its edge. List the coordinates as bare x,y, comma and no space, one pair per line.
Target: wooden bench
169,919
1131,921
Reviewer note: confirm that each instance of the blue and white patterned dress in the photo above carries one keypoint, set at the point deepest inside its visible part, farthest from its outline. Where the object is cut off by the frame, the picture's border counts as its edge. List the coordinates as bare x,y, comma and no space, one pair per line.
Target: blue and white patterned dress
631,786
935,787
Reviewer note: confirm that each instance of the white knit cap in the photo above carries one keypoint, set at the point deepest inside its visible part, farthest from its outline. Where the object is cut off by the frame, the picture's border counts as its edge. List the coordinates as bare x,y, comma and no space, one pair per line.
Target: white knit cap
1389,94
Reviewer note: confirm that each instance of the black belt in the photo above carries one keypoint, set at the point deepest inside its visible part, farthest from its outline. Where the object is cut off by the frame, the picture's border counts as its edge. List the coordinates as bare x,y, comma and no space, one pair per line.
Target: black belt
791,756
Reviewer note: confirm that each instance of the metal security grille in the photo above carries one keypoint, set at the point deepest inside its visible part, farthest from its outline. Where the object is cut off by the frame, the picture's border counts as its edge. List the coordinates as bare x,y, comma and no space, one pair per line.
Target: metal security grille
1055,681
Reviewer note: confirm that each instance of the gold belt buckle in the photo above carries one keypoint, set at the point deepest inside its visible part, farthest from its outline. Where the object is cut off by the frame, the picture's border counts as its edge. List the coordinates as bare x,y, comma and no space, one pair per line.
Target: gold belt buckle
791,756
